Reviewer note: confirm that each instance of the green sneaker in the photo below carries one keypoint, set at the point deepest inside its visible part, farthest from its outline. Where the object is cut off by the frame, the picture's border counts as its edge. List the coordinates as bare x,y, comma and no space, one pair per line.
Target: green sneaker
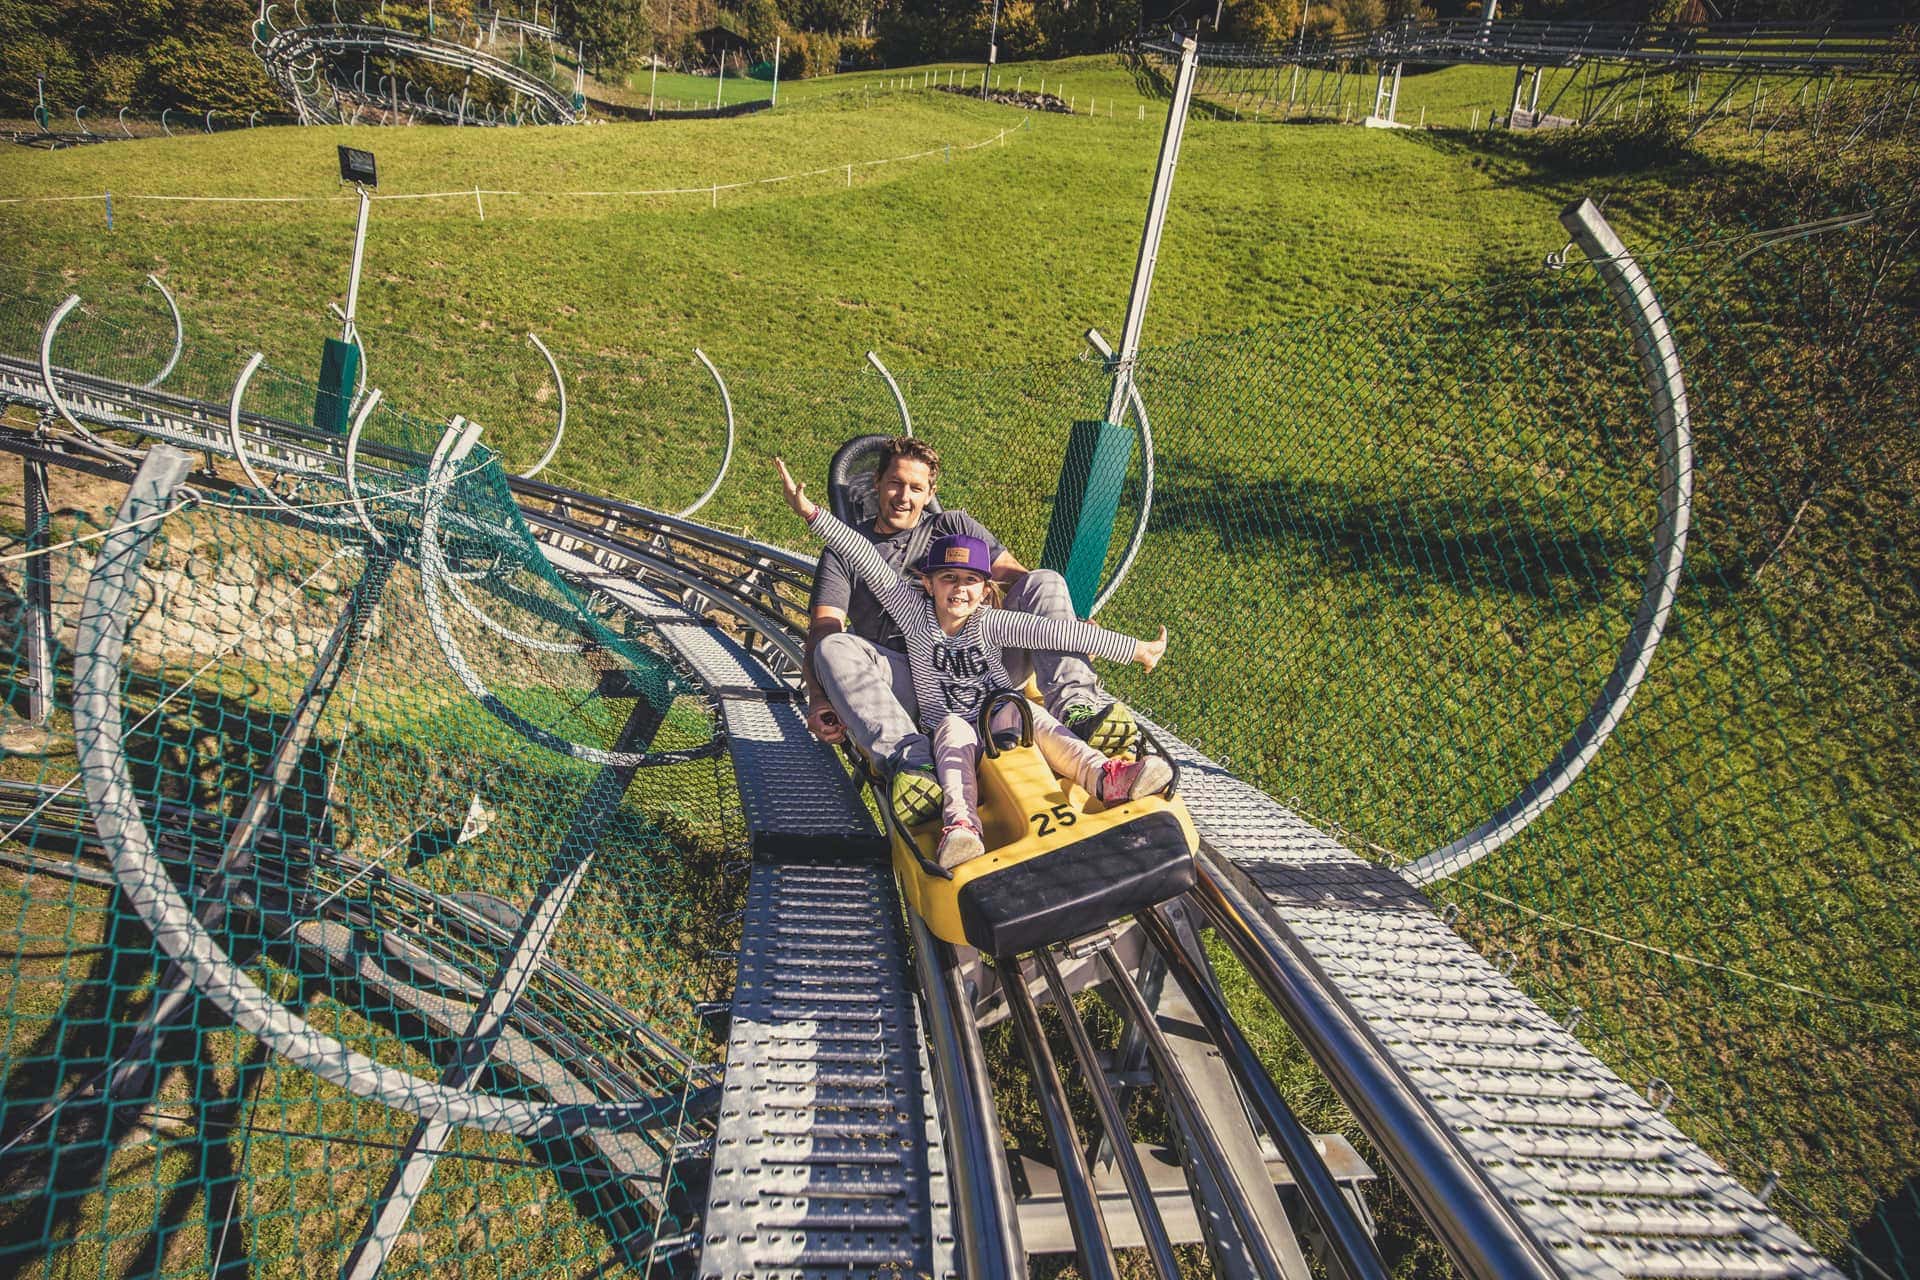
1109,730
915,796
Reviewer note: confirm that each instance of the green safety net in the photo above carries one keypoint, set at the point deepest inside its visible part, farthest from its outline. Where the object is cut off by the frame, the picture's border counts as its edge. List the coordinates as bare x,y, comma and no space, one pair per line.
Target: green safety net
368,840
1400,551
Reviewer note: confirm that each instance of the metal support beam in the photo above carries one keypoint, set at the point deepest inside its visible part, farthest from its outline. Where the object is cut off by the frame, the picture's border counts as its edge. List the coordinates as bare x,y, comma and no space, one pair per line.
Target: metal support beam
1156,223
1091,1243
567,871
38,622
1353,1253
1246,1227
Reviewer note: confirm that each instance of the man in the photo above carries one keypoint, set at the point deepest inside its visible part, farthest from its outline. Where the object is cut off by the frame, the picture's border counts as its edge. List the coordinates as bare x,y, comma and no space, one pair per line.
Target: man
856,671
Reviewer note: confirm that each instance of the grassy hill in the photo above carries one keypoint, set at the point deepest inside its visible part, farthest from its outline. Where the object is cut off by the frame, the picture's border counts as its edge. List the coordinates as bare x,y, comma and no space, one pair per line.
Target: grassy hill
969,255
1398,530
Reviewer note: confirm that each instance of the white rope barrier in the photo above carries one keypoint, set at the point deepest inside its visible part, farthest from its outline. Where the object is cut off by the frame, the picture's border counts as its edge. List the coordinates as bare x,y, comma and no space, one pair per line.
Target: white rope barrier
468,193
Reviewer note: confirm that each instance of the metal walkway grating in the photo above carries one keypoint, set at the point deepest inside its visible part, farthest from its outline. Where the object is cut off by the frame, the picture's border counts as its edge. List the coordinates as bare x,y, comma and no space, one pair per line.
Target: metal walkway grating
1594,1172
828,1157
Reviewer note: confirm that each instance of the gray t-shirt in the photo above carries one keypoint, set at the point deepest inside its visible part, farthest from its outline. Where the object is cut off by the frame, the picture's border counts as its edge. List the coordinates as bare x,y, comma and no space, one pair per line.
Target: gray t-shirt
837,588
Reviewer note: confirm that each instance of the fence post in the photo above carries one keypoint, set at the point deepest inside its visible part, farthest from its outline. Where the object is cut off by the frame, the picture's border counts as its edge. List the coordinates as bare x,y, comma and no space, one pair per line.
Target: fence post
39,610
1087,497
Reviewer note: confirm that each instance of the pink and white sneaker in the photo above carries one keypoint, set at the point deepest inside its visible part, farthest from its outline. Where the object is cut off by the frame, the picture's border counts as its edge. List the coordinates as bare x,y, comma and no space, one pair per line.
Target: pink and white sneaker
1130,779
959,843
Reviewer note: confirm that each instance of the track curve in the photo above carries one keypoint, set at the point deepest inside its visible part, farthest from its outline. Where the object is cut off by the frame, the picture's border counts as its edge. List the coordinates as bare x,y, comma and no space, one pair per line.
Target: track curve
301,61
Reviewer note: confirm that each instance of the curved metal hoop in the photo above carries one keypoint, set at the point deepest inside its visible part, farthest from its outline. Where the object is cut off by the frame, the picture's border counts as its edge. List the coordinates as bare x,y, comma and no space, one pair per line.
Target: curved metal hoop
899,401
452,449
179,336
53,392
149,889
553,446
505,632
1659,360
238,442
726,459
365,411
1139,535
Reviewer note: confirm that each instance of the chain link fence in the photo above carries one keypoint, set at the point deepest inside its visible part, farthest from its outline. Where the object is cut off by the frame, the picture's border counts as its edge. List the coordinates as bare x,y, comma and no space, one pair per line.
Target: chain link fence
1400,552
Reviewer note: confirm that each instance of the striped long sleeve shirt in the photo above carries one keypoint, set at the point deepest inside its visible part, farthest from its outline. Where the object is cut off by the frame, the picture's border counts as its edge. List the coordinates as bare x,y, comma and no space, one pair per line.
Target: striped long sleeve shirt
952,674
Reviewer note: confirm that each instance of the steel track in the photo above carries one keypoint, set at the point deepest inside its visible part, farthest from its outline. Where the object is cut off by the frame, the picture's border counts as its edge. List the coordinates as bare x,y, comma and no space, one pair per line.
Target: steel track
1772,47
1523,1152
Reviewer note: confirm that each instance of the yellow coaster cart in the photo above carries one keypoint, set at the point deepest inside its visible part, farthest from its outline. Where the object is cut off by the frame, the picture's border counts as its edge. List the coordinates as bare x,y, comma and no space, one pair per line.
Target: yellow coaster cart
1059,862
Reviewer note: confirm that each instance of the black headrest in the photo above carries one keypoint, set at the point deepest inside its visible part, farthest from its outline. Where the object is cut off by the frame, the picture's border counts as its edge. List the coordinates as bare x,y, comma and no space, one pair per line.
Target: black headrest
850,475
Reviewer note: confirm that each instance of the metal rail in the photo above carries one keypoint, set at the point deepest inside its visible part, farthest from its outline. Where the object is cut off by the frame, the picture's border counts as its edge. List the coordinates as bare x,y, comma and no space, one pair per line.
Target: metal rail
1153,1227
1791,47
984,1215
1479,1231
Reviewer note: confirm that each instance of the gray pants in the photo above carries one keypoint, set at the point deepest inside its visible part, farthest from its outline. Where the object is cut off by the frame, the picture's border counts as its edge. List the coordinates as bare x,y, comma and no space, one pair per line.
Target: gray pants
872,689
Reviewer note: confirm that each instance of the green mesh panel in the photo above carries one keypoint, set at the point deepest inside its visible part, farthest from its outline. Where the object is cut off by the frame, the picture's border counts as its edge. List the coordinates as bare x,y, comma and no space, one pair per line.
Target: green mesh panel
381,894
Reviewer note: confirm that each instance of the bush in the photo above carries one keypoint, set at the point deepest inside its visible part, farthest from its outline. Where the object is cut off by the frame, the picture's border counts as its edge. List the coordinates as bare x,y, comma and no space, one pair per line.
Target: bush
1657,138
206,73
805,54
859,53
113,79
615,34
27,57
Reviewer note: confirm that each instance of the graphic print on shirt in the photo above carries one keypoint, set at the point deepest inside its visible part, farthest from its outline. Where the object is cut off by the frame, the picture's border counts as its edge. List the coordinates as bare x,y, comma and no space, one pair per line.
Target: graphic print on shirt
960,668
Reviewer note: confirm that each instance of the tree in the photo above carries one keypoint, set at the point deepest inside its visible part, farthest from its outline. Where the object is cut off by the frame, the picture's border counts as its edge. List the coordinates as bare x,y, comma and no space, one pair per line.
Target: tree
612,35
760,22
1262,21
836,16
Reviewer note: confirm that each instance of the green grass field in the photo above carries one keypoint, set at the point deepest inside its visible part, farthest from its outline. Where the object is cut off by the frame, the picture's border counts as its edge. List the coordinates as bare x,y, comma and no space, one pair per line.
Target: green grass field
677,90
1430,514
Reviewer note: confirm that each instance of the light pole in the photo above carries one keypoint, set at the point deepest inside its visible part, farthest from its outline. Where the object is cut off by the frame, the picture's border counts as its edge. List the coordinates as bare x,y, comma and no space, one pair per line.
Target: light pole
993,53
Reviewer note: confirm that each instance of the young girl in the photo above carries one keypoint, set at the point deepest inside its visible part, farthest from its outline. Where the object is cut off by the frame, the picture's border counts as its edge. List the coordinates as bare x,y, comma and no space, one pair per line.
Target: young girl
953,650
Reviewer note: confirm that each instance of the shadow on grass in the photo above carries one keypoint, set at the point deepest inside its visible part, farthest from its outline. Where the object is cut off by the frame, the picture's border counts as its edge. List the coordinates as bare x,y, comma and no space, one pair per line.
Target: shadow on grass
69,1152
1888,1238
1478,544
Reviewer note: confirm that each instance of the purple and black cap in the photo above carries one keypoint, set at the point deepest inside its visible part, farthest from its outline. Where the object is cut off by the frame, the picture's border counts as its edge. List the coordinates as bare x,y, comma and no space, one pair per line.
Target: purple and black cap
958,551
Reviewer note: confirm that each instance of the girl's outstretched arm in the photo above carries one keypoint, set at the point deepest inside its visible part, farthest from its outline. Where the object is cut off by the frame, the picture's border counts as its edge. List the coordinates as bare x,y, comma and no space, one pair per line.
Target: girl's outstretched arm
900,598
1012,629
